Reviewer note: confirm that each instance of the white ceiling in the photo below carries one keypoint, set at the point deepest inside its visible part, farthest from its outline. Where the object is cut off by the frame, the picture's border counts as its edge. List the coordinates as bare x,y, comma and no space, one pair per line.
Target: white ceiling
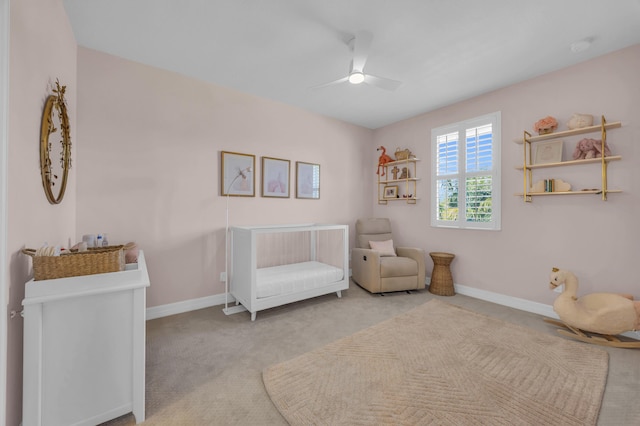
443,51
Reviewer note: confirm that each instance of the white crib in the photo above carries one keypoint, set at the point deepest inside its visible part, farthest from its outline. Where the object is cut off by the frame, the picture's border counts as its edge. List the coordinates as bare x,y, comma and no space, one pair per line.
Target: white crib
276,265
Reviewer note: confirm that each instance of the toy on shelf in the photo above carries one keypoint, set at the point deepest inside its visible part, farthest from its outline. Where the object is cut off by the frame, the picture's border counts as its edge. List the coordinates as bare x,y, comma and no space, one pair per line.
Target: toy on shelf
590,148
596,317
382,160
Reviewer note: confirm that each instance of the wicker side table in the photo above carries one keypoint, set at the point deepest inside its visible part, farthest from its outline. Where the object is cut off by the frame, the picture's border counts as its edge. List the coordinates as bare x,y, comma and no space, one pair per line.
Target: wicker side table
441,279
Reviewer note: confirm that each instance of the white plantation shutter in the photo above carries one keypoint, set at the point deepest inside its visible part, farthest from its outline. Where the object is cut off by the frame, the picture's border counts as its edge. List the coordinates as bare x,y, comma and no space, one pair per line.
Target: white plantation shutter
447,161
479,148
447,154
467,152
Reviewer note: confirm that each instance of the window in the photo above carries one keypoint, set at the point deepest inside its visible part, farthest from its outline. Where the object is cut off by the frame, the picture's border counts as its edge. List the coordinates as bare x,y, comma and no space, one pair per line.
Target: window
465,174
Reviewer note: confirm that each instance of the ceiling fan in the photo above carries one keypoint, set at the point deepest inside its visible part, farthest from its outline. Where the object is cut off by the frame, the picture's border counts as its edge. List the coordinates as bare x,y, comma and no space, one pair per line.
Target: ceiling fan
361,44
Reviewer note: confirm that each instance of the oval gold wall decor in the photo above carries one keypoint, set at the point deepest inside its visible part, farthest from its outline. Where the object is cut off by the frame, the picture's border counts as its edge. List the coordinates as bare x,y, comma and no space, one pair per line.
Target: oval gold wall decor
55,171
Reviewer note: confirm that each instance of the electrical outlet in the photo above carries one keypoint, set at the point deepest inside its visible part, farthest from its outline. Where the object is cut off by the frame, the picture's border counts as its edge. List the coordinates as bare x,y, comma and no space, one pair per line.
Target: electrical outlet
223,277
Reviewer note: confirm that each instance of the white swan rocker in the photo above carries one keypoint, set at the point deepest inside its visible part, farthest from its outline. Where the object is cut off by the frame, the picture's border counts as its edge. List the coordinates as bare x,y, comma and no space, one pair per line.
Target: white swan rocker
593,318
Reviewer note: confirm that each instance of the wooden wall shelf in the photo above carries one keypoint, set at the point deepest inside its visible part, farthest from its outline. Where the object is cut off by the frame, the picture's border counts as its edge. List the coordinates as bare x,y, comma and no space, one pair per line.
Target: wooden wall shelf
527,169
407,186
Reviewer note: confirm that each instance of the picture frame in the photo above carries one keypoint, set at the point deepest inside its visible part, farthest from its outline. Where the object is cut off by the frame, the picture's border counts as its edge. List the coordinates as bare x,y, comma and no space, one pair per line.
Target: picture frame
390,192
237,174
307,180
275,177
548,152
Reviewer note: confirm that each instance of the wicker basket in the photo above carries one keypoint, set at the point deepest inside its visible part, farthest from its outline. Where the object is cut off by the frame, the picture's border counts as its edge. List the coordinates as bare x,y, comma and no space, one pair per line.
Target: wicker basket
402,154
93,261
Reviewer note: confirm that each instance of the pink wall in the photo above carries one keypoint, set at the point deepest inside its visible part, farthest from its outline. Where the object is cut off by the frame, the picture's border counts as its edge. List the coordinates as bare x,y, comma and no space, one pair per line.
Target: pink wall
596,240
42,48
151,174
147,145
149,166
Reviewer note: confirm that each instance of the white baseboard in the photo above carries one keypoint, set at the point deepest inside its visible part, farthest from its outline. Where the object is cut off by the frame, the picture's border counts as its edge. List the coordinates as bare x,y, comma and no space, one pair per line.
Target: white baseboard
510,301
218,299
516,303
489,296
187,306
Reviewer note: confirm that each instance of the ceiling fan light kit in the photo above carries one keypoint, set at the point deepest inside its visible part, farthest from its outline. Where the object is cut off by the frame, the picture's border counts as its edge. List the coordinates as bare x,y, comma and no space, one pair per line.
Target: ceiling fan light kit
356,77
361,44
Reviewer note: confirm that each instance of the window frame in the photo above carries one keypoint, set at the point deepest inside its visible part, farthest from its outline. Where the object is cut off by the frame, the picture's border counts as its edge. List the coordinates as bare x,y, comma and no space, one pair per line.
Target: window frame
462,174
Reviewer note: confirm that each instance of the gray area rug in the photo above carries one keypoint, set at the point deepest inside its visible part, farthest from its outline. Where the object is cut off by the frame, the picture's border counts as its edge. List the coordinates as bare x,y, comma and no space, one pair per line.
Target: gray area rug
442,364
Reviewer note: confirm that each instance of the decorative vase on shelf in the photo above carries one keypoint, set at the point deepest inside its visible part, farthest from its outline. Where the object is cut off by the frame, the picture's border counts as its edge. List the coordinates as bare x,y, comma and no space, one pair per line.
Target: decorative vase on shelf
546,125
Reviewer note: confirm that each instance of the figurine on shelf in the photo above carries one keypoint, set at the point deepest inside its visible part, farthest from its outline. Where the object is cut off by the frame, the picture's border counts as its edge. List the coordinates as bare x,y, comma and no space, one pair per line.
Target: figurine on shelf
405,173
395,171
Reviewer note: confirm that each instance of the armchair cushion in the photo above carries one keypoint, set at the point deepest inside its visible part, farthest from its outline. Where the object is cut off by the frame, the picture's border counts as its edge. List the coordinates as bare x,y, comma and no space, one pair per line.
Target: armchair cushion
398,267
384,247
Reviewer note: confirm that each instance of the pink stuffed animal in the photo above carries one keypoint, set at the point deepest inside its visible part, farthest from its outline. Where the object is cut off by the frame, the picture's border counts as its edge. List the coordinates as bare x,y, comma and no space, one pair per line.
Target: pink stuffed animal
590,148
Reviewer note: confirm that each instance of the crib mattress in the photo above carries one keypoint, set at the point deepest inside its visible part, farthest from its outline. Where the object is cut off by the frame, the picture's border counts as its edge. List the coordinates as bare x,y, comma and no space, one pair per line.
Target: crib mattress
277,280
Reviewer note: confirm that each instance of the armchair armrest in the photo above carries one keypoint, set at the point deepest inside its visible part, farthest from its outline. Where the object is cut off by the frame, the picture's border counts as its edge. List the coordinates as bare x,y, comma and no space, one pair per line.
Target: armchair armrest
416,254
365,268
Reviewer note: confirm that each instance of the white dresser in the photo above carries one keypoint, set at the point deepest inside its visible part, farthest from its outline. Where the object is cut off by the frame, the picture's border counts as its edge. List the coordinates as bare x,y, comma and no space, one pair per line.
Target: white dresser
84,348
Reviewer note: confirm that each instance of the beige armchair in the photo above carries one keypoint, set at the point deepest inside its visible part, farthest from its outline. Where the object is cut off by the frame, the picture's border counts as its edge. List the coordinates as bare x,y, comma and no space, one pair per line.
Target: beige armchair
380,273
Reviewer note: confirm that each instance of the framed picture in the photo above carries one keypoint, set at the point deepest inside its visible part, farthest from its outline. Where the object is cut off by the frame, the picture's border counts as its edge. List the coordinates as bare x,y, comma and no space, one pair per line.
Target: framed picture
237,174
390,191
307,180
548,152
275,177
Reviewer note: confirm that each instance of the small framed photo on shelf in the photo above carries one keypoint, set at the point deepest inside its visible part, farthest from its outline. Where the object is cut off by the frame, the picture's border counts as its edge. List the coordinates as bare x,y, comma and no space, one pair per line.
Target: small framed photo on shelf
275,177
548,152
237,174
307,180
390,191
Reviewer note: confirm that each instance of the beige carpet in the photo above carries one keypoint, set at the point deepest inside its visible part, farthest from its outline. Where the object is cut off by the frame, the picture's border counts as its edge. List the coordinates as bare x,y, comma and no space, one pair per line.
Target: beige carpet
441,364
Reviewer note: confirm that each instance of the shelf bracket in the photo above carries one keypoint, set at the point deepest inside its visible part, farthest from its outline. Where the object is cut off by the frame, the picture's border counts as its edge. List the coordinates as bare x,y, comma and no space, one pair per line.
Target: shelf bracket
527,173
603,142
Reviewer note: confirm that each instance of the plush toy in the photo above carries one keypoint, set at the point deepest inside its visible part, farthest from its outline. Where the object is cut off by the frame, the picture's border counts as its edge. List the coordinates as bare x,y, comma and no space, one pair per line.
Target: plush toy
382,160
590,148
603,313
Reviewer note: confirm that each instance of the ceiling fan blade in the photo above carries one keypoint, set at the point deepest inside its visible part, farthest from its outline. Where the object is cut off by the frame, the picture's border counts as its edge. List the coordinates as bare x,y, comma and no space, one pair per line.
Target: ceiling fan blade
381,82
361,47
331,83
